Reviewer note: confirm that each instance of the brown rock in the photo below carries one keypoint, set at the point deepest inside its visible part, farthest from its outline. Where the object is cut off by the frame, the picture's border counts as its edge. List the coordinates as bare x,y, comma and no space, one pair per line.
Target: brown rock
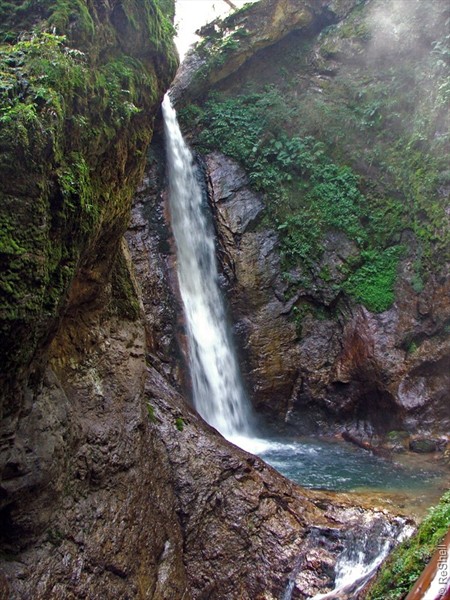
108,498
258,27
356,371
252,266
248,531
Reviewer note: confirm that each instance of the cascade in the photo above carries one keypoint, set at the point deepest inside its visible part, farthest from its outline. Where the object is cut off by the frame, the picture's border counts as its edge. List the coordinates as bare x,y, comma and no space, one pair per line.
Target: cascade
361,557
218,392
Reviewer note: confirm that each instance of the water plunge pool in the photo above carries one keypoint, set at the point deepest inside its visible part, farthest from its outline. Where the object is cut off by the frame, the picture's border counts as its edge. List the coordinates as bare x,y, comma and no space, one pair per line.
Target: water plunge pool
413,481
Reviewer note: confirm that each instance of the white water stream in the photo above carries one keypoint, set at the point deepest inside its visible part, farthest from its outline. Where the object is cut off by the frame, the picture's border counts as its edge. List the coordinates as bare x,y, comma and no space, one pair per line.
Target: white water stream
218,393
361,558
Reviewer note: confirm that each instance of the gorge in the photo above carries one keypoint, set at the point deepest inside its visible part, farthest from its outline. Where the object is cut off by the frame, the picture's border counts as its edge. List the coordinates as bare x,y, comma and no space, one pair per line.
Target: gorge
329,192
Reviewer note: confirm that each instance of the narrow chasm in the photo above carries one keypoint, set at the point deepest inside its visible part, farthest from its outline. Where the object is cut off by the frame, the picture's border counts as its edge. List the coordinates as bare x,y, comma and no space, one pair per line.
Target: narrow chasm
224,300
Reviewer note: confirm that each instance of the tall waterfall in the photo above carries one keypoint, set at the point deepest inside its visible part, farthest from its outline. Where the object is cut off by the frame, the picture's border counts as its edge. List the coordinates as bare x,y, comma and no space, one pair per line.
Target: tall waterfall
217,388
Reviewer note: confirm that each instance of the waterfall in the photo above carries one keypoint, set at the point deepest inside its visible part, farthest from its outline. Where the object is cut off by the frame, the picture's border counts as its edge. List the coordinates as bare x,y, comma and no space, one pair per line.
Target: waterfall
218,392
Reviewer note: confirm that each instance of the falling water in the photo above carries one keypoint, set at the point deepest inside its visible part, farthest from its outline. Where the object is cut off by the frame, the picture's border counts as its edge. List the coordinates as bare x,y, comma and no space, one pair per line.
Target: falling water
217,389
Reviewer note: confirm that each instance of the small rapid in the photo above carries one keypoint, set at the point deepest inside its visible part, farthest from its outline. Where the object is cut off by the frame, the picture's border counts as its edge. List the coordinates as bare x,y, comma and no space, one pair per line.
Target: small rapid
218,393
362,556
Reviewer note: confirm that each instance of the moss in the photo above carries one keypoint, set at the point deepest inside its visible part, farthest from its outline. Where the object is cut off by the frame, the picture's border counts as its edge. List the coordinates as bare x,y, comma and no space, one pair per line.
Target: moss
216,49
395,436
405,564
75,122
125,302
58,15
55,536
74,14
412,347
373,283
151,413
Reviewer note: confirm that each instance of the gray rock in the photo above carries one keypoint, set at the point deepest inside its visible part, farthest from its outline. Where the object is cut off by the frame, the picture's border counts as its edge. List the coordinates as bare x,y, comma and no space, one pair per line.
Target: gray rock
423,445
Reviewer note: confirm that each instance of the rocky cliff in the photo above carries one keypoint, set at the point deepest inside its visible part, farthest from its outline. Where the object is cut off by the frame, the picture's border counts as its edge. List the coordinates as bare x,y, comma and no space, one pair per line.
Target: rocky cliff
331,195
81,84
126,492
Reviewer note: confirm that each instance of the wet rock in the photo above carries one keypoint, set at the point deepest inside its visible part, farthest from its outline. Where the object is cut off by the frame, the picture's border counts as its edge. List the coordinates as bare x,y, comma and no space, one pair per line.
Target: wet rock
338,249
150,243
257,301
237,206
447,453
107,497
233,508
423,445
397,441
98,518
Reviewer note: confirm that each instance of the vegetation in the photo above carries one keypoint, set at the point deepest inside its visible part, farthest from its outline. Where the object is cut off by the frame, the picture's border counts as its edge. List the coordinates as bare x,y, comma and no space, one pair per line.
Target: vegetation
356,152
406,563
151,413
25,15
217,49
47,88
73,134
373,283
307,193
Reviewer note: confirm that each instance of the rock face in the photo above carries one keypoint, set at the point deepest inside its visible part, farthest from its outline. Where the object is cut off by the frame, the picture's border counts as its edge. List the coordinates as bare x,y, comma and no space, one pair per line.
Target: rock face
246,32
77,117
251,263
358,371
94,518
249,533
77,466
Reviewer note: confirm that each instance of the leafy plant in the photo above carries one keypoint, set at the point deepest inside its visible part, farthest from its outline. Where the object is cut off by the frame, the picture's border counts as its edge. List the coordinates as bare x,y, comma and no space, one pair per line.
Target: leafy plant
372,284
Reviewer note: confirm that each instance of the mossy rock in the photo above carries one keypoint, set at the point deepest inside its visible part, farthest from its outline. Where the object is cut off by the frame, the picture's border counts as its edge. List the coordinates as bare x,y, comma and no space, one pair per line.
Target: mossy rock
423,445
329,133
78,95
